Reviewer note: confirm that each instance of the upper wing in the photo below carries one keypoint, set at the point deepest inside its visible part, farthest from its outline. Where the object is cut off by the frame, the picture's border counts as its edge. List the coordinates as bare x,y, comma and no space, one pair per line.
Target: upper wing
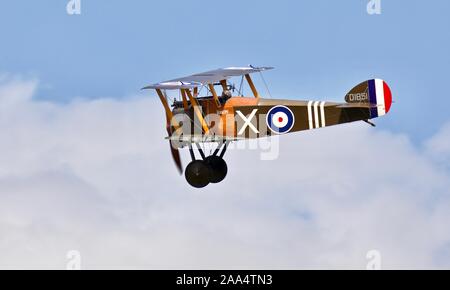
173,85
208,77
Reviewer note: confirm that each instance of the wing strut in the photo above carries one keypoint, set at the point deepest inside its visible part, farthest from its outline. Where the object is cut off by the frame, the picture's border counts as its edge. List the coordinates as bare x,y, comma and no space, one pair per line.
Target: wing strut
252,86
197,111
185,102
214,93
224,84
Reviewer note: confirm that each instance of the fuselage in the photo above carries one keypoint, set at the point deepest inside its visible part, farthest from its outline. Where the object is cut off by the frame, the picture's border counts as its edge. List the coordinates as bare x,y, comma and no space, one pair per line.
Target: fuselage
247,117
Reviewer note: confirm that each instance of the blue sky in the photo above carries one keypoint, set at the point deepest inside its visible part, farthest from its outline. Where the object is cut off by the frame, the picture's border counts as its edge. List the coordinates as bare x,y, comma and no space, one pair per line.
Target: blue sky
319,48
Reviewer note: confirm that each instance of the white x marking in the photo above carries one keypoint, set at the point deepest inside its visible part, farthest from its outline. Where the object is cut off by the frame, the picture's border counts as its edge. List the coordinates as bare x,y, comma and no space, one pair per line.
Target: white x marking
248,122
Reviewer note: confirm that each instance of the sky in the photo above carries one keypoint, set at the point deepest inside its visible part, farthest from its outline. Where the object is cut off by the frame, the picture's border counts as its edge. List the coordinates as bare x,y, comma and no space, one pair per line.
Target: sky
84,165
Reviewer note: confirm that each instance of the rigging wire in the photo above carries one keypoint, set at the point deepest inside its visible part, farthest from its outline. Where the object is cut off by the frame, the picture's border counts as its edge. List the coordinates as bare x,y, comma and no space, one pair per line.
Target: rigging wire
200,91
265,84
172,100
241,89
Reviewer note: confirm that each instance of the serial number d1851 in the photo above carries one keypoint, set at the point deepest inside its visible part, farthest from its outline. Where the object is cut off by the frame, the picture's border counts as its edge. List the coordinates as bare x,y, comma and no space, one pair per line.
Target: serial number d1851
358,97
246,279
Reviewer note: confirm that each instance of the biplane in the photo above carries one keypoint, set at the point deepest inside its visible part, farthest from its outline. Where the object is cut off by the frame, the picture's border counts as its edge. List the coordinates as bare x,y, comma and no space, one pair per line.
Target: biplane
209,111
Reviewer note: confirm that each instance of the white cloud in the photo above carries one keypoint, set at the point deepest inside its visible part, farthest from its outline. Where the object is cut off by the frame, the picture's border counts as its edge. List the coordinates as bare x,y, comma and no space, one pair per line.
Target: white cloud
439,145
96,176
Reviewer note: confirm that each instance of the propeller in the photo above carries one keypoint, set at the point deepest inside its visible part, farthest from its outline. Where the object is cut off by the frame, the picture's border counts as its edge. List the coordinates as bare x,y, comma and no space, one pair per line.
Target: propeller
173,149
175,152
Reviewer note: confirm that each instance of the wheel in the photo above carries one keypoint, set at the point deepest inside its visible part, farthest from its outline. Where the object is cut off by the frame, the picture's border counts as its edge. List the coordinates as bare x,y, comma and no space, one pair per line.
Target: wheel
197,174
218,167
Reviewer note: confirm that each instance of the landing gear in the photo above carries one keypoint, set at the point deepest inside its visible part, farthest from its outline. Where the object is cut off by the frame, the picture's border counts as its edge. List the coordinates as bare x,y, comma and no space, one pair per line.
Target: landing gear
218,168
211,169
197,174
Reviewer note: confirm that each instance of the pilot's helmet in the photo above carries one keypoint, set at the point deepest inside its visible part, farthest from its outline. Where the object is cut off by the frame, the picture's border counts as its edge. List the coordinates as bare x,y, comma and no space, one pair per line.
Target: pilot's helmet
226,94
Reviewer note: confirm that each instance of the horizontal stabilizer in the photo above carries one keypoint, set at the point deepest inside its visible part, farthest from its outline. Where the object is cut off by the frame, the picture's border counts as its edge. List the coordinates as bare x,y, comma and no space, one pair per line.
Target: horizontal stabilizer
357,105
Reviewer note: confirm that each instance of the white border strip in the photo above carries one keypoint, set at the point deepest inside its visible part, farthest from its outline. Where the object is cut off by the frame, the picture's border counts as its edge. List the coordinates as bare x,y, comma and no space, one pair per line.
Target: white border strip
310,114
380,97
322,113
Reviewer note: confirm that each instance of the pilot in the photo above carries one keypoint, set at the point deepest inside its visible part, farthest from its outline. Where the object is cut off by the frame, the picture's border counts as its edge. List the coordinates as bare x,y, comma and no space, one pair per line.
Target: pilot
226,94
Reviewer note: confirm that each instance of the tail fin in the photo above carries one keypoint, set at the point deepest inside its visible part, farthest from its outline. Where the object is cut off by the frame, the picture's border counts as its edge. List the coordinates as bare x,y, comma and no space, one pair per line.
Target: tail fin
375,92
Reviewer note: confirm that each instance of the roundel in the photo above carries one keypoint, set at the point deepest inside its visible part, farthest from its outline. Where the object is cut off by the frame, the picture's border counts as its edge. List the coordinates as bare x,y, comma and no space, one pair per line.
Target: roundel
280,119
